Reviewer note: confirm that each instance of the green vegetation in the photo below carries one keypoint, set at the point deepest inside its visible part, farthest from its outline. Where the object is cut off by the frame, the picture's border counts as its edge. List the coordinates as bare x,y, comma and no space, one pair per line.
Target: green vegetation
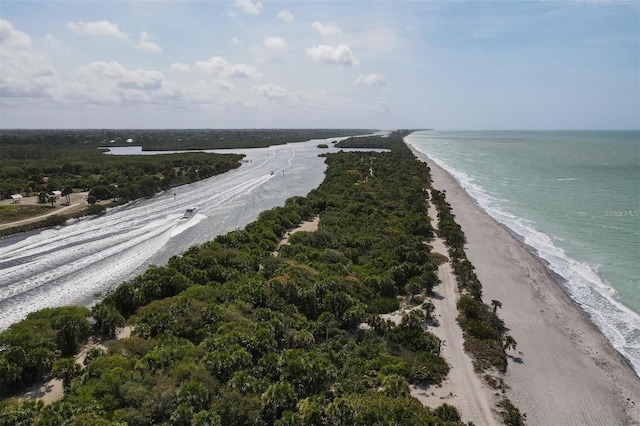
485,336
14,212
394,143
228,334
484,331
41,169
511,416
37,162
170,139
30,348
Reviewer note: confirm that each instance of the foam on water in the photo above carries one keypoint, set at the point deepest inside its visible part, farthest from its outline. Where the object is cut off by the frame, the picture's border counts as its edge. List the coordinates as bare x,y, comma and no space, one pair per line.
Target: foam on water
81,261
581,280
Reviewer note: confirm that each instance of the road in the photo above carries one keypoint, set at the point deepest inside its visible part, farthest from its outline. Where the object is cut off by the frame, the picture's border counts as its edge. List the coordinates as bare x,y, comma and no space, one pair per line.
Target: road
78,202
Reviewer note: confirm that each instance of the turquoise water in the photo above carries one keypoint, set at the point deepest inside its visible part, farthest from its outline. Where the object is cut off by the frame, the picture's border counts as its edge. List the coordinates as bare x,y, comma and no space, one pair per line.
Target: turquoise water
574,198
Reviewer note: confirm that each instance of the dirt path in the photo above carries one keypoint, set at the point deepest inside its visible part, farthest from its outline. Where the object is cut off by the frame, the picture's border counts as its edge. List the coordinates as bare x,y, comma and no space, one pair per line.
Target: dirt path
78,202
568,373
52,390
308,226
462,387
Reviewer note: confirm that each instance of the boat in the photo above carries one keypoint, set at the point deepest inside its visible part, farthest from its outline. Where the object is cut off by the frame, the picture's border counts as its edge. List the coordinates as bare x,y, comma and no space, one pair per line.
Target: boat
191,211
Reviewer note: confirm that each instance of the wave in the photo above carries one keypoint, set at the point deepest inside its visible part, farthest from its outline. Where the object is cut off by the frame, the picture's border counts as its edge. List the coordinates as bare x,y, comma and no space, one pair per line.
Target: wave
582,281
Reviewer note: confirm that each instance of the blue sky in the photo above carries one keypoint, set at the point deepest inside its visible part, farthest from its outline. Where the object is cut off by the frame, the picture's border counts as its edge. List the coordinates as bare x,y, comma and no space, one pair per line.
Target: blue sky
374,64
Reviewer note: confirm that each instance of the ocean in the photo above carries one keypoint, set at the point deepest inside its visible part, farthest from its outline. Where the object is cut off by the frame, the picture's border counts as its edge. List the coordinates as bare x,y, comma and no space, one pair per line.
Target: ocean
574,198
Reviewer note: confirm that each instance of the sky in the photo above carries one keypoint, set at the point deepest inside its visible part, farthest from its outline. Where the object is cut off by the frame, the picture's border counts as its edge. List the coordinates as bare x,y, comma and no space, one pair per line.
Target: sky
320,64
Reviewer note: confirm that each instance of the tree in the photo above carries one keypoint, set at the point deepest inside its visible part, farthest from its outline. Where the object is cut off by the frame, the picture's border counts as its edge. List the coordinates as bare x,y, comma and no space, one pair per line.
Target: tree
340,412
509,343
66,192
107,319
101,192
71,330
277,398
193,394
448,413
496,304
51,199
206,418
327,320
429,308
66,369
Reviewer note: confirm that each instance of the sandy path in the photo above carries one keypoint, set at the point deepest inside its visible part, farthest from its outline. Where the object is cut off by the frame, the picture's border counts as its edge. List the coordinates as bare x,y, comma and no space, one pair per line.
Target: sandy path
308,226
462,388
569,373
52,390
78,202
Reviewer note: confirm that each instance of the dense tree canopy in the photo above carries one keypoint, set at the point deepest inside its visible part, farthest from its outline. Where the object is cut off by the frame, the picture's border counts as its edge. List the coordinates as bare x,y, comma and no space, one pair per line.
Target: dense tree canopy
229,334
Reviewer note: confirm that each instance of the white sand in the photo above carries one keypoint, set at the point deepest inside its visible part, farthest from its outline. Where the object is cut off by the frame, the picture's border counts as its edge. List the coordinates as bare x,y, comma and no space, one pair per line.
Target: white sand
569,373
308,226
462,388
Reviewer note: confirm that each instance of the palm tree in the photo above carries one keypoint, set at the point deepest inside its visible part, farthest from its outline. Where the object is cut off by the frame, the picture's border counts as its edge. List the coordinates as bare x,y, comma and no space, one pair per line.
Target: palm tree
65,369
496,304
429,309
51,199
328,320
509,342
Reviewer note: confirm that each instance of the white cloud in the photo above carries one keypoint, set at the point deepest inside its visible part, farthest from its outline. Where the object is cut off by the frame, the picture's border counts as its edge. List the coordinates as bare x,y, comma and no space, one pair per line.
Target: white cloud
219,67
53,43
249,7
148,46
97,28
370,80
341,55
180,67
12,38
111,83
224,84
286,16
274,43
120,76
236,42
219,93
326,29
22,72
282,96
273,92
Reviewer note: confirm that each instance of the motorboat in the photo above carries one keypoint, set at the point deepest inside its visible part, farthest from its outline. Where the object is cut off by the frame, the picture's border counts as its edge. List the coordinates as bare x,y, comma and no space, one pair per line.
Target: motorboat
191,211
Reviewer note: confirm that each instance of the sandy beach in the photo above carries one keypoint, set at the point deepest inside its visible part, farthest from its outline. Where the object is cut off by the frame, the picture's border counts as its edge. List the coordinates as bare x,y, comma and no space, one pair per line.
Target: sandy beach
568,373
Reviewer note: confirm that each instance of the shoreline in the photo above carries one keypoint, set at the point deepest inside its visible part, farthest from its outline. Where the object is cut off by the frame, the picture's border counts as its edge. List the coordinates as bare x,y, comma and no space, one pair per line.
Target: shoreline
569,372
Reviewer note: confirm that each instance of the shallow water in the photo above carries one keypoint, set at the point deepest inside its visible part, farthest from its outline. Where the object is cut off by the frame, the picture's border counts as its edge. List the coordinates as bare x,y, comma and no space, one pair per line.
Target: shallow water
573,197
